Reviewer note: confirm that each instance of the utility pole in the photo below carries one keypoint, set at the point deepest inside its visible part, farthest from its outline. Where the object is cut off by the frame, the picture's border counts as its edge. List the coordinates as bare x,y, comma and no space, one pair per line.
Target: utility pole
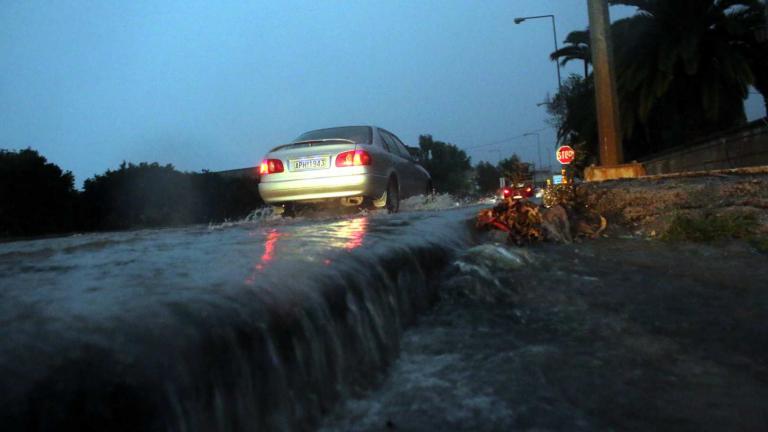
606,95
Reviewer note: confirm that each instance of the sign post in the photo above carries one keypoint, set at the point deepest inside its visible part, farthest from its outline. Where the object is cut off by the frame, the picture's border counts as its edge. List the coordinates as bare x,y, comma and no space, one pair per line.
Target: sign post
565,155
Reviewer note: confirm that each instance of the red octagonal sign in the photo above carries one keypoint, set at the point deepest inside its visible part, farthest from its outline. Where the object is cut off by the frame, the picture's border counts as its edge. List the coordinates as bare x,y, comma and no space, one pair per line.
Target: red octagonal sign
565,154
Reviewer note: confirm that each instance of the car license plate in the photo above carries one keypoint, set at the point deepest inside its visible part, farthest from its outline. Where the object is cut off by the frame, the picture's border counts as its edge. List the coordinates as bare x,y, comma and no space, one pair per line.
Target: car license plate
309,163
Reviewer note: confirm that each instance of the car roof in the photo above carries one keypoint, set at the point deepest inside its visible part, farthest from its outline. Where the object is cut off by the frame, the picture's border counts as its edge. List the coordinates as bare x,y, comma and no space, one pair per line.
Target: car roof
342,126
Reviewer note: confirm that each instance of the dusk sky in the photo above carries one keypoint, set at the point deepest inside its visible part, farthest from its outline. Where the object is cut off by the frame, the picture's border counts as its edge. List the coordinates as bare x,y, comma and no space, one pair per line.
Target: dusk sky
214,85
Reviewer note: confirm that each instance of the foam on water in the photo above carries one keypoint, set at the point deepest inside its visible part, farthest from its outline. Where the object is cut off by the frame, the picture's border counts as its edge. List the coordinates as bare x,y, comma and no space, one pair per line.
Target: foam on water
268,214
429,202
259,215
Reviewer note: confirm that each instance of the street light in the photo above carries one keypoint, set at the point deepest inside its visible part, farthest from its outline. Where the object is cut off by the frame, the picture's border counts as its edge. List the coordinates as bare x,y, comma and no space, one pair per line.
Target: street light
519,20
538,146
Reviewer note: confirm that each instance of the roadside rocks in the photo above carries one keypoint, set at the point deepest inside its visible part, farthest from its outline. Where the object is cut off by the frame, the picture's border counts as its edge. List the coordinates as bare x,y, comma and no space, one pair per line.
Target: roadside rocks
556,224
712,206
648,206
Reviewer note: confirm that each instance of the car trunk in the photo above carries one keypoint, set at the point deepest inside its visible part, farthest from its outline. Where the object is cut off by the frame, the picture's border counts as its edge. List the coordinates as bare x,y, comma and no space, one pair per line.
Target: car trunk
304,152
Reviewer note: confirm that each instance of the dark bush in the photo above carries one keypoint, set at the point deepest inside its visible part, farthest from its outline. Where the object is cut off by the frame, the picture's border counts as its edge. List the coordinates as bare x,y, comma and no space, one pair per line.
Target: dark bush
449,166
150,195
36,197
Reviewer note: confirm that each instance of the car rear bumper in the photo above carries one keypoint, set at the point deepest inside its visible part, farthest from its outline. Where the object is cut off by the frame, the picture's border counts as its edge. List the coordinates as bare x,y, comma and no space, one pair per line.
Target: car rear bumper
367,184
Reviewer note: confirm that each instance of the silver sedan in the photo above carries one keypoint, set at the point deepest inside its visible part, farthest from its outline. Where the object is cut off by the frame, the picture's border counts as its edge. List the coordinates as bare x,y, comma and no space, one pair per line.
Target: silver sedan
362,166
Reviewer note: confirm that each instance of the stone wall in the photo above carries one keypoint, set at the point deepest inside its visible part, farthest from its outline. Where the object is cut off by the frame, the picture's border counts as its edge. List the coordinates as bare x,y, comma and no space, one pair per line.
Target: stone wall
744,147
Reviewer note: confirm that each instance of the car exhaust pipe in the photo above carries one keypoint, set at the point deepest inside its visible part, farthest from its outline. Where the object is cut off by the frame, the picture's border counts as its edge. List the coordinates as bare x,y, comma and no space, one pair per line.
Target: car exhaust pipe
352,201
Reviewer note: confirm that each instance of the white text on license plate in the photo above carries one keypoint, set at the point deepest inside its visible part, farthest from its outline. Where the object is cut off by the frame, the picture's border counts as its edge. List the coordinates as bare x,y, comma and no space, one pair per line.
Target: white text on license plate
307,164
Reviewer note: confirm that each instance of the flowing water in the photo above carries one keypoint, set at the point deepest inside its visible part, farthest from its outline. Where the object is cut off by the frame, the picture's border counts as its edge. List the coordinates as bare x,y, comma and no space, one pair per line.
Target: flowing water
615,334
261,324
370,322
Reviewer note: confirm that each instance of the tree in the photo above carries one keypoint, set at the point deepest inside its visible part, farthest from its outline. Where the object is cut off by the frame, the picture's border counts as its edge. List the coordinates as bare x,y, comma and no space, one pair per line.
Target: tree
573,113
515,169
683,71
36,197
149,195
577,47
682,66
218,198
140,195
487,177
447,164
755,47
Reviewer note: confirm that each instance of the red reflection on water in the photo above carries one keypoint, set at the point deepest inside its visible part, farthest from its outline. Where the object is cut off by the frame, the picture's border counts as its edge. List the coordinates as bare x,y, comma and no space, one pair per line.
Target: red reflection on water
268,255
354,230
269,246
348,234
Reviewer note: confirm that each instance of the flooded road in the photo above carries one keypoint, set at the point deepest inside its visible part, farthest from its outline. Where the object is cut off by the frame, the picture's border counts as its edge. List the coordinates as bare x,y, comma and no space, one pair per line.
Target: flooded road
379,322
257,325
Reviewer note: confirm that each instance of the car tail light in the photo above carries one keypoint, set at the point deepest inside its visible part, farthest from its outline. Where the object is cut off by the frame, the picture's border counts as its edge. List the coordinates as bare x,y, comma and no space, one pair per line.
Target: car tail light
507,192
353,158
271,166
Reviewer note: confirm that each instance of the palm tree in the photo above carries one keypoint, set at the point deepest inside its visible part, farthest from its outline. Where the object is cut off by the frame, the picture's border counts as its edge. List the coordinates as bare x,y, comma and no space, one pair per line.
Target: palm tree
686,59
576,47
755,47
683,70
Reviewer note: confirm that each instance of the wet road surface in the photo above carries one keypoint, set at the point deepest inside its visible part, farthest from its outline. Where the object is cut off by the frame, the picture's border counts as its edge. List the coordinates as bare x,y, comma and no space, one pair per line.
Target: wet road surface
379,322
257,325
616,334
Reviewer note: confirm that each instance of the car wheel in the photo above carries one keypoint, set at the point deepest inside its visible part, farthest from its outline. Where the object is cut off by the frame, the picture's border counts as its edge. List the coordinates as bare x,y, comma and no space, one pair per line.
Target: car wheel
393,197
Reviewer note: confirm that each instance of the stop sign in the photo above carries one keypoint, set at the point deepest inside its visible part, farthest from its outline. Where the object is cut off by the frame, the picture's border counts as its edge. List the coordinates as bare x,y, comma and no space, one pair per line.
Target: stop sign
565,154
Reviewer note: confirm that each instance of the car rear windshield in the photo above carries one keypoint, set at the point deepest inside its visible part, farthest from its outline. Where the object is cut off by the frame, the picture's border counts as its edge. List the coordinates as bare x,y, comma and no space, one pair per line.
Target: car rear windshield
358,134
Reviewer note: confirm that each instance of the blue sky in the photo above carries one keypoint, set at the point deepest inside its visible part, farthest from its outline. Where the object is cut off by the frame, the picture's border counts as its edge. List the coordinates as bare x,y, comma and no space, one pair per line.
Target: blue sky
214,85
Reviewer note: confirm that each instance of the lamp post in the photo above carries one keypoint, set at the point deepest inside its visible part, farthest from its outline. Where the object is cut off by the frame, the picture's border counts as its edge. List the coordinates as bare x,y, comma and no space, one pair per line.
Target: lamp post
519,20
538,146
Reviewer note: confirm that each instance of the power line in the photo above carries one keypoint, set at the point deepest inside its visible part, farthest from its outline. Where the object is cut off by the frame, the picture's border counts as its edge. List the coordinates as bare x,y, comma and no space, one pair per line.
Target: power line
505,140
